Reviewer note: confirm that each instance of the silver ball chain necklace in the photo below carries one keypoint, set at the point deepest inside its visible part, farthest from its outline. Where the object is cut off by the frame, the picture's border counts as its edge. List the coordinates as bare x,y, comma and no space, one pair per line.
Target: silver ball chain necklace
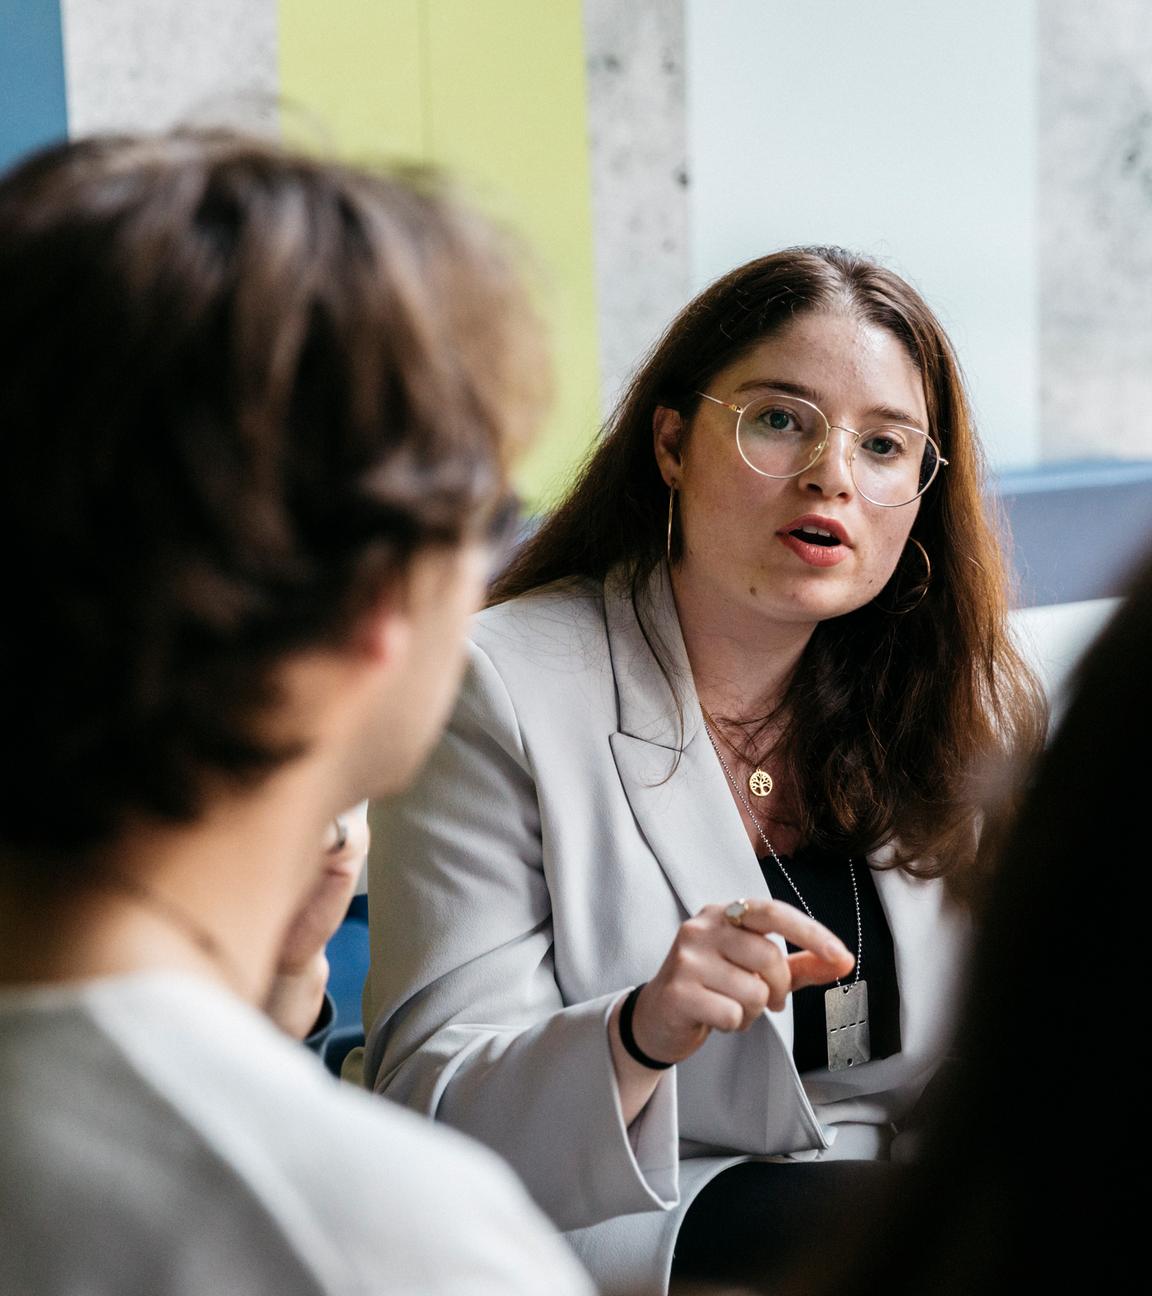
845,1006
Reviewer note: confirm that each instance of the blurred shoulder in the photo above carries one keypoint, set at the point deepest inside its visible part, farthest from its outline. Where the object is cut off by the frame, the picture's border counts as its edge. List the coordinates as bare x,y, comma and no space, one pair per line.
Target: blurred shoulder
413,1203
132,1101
447,1209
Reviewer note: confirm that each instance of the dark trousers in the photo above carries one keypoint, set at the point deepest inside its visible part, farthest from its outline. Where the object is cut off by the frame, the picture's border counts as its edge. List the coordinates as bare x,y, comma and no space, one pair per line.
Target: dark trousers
758,1220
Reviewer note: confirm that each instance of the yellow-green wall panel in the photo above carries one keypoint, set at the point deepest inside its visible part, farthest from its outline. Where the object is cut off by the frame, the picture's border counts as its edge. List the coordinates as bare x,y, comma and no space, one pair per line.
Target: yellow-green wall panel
355,69
508,113
493,90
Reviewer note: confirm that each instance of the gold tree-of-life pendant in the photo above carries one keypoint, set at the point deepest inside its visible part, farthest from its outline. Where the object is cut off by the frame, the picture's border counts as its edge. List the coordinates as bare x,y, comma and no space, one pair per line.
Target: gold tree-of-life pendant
760,782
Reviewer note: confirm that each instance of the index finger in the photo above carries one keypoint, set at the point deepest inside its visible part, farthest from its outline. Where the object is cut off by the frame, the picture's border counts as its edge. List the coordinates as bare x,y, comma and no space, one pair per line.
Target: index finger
770,917
323,909
317,919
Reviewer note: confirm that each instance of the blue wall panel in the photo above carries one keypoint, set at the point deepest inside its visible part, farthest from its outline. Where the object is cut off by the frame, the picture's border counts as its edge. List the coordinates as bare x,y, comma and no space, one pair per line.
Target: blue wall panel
33,106
1078,529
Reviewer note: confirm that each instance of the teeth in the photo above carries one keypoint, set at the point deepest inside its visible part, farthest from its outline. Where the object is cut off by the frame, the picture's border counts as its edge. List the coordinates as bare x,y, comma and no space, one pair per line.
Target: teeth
813,530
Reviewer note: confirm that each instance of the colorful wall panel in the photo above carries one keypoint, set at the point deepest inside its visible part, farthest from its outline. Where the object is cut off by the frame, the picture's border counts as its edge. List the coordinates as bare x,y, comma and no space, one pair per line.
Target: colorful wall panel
496,93
493,91
640,136
33,107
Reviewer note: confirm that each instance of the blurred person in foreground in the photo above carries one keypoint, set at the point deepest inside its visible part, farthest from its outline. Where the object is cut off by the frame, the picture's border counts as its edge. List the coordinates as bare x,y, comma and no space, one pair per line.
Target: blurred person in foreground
1021,1174
257,414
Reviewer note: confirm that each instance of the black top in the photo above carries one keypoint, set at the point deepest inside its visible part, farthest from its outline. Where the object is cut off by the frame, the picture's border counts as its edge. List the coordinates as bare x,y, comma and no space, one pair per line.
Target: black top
825,882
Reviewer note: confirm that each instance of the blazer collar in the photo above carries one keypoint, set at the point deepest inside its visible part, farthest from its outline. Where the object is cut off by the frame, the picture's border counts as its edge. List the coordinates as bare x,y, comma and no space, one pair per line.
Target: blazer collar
674,783
641,623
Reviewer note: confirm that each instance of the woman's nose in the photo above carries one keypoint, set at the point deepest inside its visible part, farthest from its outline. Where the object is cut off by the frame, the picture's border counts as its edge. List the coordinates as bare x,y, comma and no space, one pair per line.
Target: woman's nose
830,473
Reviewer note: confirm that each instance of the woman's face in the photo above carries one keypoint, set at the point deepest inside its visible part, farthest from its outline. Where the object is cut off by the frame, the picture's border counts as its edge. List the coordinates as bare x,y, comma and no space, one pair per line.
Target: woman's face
743,542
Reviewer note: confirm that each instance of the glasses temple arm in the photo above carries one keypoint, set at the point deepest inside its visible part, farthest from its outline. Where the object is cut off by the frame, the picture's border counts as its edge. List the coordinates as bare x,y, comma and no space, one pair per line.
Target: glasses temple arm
736,409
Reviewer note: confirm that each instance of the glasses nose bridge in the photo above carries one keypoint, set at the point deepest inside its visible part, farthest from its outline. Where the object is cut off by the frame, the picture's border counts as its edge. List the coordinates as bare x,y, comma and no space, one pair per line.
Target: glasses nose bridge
851,433
848,452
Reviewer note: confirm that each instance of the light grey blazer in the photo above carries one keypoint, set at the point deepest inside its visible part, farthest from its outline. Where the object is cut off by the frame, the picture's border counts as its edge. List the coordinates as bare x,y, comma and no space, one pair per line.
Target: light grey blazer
540,868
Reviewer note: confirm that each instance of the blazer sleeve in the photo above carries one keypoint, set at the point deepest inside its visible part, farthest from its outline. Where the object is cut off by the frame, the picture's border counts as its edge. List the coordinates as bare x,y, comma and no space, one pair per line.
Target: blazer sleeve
470,1025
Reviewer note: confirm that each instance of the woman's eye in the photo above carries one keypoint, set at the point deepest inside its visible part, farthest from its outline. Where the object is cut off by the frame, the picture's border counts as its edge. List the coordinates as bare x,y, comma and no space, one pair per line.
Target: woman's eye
884,445
777,420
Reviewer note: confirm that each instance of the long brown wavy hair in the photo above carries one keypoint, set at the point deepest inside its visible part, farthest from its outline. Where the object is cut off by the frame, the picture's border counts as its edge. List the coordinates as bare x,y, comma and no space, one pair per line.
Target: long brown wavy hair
887,714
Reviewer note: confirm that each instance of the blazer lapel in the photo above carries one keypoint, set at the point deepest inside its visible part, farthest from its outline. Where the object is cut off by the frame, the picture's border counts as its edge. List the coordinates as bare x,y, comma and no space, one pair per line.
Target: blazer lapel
682,804
667,766
686,814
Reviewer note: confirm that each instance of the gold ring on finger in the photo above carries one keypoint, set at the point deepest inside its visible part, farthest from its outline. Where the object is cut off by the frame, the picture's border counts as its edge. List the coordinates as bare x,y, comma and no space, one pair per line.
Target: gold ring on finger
735,912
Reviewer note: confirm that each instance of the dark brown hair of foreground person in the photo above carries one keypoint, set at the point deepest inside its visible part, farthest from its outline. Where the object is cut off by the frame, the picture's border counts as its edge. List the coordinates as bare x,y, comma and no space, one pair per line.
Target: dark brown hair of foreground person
887,712
239,390
1025,1174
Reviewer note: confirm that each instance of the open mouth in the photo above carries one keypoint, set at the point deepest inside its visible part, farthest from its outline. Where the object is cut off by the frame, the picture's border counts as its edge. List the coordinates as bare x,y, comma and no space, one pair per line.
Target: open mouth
816,536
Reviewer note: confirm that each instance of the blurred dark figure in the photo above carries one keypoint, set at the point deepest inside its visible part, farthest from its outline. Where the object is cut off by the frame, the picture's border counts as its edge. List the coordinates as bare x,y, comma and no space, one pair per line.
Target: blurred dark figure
1021,1177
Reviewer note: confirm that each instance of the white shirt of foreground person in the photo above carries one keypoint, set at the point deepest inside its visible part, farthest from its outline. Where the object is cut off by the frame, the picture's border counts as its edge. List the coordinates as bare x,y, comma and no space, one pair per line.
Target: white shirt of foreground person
159,1136
540,867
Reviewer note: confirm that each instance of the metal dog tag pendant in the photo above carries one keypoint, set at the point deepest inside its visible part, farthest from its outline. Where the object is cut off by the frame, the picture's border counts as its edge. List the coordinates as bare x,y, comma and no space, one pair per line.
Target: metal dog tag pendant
846,1013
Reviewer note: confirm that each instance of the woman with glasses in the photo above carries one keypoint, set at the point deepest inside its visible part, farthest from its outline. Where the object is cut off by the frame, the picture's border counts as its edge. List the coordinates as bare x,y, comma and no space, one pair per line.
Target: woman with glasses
698,844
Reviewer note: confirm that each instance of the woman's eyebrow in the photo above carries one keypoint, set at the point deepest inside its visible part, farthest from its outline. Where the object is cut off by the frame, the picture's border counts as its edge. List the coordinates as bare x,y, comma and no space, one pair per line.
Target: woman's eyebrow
881,413
780,385
890,414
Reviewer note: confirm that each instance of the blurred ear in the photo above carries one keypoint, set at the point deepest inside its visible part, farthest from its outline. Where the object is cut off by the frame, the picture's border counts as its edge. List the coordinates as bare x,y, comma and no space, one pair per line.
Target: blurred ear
667,435
383,633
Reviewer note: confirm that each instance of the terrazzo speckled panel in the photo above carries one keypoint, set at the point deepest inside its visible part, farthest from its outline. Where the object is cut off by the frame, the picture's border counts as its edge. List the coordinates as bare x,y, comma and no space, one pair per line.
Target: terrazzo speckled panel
1095,228
150,64
636,127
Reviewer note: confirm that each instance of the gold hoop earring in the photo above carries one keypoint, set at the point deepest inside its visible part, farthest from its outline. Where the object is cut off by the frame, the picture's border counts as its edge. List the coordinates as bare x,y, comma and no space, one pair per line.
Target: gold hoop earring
671,506
919,592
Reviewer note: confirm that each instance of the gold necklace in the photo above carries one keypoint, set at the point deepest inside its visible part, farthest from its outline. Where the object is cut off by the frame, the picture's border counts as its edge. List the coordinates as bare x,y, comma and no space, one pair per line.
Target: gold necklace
760,782
177,918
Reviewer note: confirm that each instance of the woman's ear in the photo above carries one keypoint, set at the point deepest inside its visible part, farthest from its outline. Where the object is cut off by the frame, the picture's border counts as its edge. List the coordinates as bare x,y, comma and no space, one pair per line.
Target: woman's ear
667,436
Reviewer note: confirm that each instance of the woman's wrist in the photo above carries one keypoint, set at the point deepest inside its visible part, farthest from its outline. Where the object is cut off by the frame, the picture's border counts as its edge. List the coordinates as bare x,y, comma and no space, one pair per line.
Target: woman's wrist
628,1039
635,1083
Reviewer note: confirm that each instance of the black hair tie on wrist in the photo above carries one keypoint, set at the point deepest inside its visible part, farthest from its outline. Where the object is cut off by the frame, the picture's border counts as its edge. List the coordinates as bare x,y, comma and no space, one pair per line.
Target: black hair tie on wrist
627,1008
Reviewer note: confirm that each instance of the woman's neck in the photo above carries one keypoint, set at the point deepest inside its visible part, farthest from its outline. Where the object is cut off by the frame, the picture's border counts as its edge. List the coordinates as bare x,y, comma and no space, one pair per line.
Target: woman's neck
741,661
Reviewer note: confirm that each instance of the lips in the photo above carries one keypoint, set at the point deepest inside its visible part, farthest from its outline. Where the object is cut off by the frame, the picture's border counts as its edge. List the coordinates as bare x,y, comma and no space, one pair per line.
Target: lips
818,541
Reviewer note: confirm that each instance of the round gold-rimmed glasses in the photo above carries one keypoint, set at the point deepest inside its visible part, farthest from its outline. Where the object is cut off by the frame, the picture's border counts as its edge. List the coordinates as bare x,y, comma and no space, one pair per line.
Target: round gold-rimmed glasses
781,436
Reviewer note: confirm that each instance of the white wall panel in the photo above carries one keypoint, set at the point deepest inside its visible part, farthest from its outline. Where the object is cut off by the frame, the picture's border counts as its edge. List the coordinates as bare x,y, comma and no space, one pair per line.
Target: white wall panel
905,129
1096,228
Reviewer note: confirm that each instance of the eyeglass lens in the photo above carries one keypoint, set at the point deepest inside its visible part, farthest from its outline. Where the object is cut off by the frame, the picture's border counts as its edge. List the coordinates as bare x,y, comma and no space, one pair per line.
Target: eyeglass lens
781,436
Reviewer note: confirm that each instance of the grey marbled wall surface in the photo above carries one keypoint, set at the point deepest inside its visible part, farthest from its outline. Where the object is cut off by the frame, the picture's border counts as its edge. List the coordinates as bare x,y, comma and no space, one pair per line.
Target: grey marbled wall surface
636,123
149,64
1095,227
